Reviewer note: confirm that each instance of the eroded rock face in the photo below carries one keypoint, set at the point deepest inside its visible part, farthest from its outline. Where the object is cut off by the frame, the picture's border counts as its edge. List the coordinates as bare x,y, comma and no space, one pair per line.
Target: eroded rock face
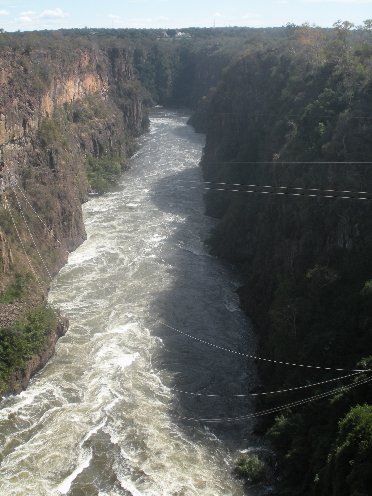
57,110
21,112
6,255
50,128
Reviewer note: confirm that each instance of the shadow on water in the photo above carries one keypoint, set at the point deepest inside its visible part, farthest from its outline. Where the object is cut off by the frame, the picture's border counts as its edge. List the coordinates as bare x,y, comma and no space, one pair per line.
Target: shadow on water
202,302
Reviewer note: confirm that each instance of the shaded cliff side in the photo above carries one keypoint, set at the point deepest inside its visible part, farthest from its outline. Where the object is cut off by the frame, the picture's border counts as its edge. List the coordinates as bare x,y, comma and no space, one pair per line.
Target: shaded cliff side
295,119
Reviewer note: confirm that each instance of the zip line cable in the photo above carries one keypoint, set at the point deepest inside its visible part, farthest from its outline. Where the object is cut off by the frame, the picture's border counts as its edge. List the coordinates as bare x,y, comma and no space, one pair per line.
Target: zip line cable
34,211
254,357
23,246
266,393
286,162
259,114
264,114
278,408
283,193
31,235
241,185
14,180
37,278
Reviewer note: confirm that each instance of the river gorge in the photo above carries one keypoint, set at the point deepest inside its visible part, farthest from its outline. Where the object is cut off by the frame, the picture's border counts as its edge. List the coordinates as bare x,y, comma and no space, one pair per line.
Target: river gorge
108,414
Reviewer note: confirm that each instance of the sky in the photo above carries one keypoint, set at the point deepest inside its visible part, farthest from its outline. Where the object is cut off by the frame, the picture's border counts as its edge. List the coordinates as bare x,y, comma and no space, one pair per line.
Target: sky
28,15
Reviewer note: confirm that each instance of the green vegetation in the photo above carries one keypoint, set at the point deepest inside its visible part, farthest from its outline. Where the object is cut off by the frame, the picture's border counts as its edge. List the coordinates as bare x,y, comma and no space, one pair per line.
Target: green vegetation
91,107
16,290
251,468
349,467
305,262
50,132
23,340
103,174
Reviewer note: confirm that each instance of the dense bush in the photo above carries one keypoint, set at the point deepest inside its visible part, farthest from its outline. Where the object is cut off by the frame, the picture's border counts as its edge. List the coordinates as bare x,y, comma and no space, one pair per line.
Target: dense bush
16,290
103,173
251,468
349,470
23,340
50,132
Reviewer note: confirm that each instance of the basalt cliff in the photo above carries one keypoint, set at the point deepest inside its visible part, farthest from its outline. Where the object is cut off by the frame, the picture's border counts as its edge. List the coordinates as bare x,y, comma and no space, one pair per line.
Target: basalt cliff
68,117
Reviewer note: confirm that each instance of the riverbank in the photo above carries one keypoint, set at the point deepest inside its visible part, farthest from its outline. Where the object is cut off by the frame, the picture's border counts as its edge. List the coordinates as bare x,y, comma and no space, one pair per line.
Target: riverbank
114,385
19,380
29,331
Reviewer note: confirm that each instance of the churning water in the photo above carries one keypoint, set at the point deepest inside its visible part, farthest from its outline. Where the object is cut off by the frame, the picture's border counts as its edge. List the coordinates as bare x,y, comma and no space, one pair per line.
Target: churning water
104,416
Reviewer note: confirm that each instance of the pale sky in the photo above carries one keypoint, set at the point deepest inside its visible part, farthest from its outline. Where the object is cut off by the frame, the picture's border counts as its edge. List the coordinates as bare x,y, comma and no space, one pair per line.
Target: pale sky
54,14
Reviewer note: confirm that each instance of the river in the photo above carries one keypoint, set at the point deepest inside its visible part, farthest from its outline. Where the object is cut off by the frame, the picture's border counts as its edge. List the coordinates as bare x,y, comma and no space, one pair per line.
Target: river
106,416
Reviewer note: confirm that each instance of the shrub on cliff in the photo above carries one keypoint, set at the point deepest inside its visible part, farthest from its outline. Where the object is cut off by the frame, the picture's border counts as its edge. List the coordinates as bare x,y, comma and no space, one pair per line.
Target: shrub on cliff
102,174
24,339
49,132
349,470
251,468
16,290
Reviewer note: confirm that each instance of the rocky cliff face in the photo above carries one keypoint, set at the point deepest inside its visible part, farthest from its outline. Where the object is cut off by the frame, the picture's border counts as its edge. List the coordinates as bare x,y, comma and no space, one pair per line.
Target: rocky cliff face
66,113
59,110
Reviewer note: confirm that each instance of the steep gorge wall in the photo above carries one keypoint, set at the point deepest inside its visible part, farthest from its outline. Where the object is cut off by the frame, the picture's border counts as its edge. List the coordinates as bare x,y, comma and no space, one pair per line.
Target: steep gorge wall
61,113
67,98
280,120
267,127
45,138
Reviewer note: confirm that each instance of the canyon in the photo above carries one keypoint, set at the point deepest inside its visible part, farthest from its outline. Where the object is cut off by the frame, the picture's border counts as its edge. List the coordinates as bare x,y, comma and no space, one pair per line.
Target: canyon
283,110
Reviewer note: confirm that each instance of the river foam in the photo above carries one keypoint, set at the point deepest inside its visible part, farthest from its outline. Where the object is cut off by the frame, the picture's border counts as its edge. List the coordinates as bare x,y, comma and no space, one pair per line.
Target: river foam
104,418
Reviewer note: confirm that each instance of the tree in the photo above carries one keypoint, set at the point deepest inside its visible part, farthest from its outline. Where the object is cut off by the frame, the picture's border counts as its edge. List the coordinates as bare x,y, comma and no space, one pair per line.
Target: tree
350,467
367,24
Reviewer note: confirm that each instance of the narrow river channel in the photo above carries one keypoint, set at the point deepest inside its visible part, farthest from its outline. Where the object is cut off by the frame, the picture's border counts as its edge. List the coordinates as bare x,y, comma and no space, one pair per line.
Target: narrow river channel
107,416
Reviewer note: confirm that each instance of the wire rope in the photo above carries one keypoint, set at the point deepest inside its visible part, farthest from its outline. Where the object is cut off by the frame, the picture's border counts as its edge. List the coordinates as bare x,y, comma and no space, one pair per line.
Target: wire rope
31,235
284,193
23,246
241,185
34,211
255,357
278,408
280,391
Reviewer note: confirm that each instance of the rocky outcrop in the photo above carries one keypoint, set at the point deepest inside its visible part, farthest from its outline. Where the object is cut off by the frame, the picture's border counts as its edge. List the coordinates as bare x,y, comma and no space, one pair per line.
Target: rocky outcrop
68,112
19,381
48,86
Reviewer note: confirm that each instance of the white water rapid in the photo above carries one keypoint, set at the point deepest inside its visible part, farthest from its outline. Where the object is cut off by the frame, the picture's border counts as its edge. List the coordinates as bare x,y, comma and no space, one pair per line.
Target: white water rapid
103,417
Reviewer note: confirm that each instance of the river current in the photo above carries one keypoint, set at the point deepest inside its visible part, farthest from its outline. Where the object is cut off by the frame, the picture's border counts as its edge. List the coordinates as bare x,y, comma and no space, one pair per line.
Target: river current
106,416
